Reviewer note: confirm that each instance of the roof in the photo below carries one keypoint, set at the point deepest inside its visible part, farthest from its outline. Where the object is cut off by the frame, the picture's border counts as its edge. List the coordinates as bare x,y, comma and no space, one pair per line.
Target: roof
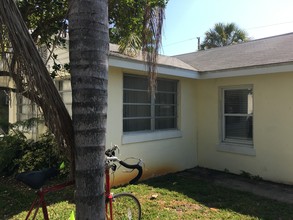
162,60
266,51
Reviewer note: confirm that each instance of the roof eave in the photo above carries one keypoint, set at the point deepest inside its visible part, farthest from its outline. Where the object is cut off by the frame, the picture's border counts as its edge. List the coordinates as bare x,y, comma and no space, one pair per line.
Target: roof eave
132,64
248,71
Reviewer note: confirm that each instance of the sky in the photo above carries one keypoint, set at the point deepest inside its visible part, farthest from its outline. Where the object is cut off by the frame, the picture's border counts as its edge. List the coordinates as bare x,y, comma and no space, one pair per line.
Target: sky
185,20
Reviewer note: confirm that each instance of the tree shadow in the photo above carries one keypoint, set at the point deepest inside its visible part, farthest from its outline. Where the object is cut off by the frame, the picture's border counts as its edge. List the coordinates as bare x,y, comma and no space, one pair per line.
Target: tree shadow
204,191
16,197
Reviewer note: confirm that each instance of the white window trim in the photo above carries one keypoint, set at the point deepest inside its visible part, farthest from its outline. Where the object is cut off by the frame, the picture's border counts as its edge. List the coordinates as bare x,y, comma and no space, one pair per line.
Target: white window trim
236,148
232,145
149,134
143,136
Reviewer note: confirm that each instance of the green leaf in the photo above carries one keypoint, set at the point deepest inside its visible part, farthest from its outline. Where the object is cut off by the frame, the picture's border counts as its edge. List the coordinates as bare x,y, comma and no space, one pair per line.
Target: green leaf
62,166
72,216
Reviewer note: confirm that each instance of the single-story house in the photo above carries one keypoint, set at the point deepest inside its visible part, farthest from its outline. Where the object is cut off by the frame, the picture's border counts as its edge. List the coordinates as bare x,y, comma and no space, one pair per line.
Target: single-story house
228,109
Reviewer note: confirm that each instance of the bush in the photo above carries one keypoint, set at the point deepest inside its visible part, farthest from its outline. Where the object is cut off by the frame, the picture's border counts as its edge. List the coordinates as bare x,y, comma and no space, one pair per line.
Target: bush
40,154
17,154
10,148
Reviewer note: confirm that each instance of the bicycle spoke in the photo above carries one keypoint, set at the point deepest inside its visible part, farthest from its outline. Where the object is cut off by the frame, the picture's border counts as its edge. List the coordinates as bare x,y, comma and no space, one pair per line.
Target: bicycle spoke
126,207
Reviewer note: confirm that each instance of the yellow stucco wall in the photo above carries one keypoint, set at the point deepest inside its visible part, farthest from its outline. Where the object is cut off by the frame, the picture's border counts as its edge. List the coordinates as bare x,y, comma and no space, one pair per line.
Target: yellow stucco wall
272,132
159,156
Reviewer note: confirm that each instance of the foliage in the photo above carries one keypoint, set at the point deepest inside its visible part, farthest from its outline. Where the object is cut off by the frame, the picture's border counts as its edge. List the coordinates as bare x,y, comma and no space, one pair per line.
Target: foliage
31,77
10,149
249,175
18,154
46,18
137,25
39,154
25,126
46,21
126,19
223,35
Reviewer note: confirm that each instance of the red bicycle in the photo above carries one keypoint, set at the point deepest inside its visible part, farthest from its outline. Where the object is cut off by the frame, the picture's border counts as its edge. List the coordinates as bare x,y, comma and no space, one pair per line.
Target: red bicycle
118,206
121,205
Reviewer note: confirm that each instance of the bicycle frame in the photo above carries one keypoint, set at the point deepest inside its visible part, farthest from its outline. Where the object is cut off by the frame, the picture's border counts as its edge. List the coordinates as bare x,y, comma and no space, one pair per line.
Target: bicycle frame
40,199
108,195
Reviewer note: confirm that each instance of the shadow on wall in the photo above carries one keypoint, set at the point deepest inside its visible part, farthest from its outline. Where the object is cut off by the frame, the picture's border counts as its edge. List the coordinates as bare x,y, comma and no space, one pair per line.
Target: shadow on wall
122,176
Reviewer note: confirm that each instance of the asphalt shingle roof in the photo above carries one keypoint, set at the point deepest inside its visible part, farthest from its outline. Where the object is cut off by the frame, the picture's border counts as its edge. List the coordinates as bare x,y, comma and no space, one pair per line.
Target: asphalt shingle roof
266,51
161,60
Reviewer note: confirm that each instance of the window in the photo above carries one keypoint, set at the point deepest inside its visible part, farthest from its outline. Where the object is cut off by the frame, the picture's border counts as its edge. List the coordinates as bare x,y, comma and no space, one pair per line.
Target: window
26,109
237,117
64,88
141,111
4,112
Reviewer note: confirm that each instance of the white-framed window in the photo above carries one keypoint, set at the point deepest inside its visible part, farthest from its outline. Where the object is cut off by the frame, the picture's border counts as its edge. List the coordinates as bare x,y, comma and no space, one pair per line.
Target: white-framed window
237,115
4,110
64,88
26,109
144,112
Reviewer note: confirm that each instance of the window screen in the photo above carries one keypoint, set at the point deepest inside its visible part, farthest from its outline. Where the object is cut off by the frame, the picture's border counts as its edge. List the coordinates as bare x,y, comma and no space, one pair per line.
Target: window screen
141,111
238,115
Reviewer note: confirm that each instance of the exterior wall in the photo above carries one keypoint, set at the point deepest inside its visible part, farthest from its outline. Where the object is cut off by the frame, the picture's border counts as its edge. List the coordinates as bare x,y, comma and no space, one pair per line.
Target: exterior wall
29,110
12,108
169,151
273,127
160,156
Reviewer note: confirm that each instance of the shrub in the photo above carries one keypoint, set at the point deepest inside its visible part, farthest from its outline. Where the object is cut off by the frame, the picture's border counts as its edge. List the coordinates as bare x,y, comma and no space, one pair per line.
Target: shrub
17,154
40,154
10,148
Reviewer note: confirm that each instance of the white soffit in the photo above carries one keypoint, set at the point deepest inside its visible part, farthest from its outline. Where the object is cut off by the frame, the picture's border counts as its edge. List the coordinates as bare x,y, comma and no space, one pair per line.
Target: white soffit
161,69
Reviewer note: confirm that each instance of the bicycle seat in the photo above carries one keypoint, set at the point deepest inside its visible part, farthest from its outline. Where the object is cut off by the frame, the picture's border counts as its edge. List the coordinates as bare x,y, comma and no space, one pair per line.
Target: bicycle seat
36,179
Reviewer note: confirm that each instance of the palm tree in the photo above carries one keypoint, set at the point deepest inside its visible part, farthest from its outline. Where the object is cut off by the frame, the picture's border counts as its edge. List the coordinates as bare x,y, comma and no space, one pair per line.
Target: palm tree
223,35
88,53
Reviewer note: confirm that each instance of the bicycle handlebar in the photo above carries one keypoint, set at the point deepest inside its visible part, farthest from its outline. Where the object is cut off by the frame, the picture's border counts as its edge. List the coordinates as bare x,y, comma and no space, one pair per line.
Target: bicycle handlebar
137,166
133,166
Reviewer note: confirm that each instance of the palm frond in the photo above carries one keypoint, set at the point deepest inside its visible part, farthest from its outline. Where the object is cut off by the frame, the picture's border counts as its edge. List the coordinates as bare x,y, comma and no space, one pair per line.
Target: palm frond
151,41
130,45
222,35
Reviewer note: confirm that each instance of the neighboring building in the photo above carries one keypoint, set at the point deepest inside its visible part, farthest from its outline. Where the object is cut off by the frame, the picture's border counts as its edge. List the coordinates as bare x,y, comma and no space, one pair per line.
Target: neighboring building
228,108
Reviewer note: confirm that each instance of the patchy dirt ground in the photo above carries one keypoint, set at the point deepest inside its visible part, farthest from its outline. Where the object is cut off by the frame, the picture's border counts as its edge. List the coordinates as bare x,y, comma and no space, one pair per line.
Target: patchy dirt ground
279,192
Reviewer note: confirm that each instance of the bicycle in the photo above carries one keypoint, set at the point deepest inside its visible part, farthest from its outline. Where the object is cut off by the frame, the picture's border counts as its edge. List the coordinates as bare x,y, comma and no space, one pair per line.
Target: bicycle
126,205
118,206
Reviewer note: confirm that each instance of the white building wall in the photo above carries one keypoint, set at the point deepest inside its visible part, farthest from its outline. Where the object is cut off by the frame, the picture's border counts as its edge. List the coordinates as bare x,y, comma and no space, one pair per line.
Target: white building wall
168,151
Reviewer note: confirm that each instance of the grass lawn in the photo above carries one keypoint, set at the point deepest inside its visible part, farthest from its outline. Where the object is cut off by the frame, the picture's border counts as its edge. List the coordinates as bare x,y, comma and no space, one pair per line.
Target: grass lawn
174,196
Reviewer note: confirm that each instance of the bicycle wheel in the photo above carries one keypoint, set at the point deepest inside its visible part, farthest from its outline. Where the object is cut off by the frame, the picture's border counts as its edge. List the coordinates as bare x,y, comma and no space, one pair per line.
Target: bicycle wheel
126,207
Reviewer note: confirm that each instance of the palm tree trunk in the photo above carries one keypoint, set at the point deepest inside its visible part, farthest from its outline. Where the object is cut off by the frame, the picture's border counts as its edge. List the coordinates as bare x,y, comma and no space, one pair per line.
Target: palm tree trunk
88,52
